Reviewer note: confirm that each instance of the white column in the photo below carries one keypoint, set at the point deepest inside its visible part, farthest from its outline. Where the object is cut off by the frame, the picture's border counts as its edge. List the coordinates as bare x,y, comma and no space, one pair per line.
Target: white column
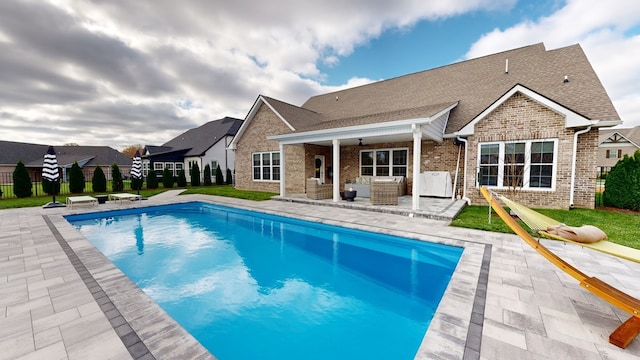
336,170
417,150
282,167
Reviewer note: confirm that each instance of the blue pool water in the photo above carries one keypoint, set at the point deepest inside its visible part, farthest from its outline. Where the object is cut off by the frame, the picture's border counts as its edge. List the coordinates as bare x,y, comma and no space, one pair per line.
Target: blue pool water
249,285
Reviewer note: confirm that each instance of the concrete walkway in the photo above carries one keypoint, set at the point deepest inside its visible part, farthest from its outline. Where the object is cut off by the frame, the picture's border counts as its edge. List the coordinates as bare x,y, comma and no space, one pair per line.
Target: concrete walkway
61,299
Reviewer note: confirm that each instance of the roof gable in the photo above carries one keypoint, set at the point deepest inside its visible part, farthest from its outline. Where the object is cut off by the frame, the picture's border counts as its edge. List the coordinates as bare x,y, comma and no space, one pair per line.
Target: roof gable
620,136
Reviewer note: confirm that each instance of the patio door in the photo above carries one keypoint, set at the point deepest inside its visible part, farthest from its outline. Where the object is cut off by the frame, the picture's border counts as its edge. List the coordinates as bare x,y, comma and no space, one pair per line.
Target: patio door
319,167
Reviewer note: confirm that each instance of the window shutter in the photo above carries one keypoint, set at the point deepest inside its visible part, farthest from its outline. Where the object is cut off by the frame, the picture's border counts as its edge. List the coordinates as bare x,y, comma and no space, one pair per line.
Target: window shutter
608,154
619,153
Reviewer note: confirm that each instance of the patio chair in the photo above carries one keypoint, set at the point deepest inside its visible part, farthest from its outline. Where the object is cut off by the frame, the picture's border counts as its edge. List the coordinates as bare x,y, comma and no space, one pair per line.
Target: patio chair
317,191
628,330
384,192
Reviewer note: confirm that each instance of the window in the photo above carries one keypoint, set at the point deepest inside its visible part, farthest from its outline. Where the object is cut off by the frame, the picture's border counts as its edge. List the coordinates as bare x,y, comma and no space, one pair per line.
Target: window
383,162
145,169
614,153
266,166
179,166
523,164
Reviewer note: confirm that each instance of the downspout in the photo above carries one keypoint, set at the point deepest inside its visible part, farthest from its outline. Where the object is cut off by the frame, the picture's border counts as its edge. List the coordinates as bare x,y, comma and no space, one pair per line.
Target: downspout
573,162
464,183
455,179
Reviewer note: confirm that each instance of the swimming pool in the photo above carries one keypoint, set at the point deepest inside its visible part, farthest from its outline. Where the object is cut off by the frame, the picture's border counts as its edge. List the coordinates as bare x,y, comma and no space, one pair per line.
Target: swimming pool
251,285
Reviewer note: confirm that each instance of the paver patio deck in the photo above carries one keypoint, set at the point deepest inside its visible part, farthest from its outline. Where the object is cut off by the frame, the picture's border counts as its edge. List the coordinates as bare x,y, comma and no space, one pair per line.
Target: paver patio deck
61,299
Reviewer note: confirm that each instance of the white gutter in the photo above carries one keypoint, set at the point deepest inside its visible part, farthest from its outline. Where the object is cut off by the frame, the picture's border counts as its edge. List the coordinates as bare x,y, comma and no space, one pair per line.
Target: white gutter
573,162
464,183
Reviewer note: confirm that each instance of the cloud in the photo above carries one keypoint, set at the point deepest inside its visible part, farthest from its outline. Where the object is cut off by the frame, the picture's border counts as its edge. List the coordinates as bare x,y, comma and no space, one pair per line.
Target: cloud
141,72
601,28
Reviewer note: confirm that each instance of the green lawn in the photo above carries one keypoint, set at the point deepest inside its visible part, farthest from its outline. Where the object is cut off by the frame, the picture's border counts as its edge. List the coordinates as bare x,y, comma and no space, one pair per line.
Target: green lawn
621,228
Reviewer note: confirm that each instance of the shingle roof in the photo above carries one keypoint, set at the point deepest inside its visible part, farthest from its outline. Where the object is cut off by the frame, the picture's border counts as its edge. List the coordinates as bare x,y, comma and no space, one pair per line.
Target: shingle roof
476,84
32,155
198,140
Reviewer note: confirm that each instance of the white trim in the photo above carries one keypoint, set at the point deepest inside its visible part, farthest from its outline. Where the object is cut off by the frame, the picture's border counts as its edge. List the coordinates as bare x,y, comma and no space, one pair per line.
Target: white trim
378,129
252,113
572,119
527,164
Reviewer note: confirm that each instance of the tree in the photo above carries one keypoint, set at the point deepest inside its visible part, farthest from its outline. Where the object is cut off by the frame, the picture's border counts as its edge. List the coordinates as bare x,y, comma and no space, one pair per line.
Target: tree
99,180
182,178
167,178
116,178
622,189
76,179
136,184
152,180
207,175
21,181
130,150
229,179
219,178
195,175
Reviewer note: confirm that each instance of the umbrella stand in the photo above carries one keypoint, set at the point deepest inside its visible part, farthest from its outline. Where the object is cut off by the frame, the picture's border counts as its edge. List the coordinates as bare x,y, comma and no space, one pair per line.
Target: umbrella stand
50,172
53,203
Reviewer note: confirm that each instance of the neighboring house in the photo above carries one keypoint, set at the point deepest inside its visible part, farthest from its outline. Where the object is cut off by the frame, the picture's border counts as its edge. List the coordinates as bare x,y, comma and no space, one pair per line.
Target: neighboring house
203,145
524,121
87,157
614,144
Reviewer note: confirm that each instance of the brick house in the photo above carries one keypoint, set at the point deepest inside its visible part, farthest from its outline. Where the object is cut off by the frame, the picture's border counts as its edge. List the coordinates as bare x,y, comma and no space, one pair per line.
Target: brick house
524,121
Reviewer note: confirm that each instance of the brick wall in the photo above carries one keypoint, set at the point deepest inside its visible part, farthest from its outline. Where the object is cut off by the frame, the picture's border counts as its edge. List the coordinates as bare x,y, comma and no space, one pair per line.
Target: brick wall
521,118
254,139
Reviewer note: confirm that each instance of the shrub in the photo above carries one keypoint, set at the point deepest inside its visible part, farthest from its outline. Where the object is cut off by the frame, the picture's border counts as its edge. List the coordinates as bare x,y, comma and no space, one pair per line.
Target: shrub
167,178
116,178
21,181
99,180
219,178
195,175
182,178
207,175
152,180
229,179
76,179
622,189
136,184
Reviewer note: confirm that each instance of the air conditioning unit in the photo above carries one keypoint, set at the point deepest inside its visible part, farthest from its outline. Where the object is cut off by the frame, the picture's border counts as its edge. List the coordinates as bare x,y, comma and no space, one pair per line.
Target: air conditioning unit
436,183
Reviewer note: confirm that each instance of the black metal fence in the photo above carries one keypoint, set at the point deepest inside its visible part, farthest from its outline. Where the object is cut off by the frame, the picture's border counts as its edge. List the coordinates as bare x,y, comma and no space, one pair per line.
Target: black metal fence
601,177
6,184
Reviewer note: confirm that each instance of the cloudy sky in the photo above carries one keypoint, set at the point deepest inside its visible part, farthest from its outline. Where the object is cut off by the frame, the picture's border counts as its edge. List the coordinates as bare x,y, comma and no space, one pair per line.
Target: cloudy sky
124,72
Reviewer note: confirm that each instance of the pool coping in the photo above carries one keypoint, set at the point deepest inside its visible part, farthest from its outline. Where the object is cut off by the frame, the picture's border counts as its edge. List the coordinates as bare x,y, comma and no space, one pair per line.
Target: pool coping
455,330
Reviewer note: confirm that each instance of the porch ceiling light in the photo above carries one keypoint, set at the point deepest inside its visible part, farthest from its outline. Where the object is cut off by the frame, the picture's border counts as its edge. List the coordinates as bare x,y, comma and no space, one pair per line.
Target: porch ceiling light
359,142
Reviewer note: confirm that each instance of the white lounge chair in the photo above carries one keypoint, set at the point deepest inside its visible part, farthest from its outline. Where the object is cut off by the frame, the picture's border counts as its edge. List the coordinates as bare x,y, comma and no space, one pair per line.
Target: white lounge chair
124,196
71,200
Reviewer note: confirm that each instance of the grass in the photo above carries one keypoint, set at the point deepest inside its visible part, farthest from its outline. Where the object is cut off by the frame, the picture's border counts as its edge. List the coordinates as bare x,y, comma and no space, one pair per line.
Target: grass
12,203
222,190
620,227
229,191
